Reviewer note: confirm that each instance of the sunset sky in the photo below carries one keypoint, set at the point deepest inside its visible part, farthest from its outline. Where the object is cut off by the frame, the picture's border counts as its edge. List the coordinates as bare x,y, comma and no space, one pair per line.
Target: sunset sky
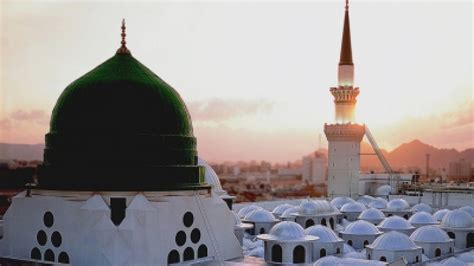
254,75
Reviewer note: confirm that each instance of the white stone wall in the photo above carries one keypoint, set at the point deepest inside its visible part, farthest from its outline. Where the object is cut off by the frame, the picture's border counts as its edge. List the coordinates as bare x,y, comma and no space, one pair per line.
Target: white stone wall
343,168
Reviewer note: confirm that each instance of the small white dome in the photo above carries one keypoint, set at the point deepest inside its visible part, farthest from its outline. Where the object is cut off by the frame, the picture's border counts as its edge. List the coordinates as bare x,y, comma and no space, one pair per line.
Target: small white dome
211,177
397,205
422,218
290,212
246,210
393,241
238,222
383,190
457,219
366,199
440,214
353,207
371,214
394,223
331,261
361,227
260,215
422,207
308,207
430,234
339,201
354,255
287,231
324,206
324,233
346,248
327,261
378,203
278,210
468,209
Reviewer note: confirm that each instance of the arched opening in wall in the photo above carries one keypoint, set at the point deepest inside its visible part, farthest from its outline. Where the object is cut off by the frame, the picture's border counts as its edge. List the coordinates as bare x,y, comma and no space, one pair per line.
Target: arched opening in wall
417,259
368,256
309,223
349,242
63,258
331,222
345,217
452,235
437,252
383,258
262,230
188,254
117,209
322,253
422,251
299,254
36,254
173,257
276,253
366,242
202,251
470,240
338,251
388,215
323,222
405,216
49,255
451,250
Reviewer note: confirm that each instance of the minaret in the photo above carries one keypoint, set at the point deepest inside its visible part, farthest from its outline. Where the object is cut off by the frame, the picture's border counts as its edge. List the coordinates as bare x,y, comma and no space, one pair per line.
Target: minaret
345,93
344,136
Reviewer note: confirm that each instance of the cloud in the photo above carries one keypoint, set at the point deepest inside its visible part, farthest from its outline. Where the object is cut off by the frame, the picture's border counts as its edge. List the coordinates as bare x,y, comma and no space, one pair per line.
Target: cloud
24,126
37,116
219,110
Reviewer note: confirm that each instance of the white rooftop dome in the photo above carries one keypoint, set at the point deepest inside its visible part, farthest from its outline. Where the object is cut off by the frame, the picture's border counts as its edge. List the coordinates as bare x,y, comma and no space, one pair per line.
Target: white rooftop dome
339,201
290,212
468,209
366,199
308,207
324,233
346,248
246,210
440,214
278,210
383,190
393,241
466,256
371,214
422,207
257,252
287,231
260,215
430,234
332,260
378,203
211,177
353,207
394,223
422,218
397,205
457,219
238,222
453,262
361,227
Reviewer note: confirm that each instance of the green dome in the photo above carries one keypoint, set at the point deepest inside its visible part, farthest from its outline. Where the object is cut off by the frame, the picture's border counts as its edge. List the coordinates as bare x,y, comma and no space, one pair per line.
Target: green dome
120,127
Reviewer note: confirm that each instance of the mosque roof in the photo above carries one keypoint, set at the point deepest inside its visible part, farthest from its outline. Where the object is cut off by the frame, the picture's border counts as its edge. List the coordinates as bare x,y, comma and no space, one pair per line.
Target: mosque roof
260,215
324,233
378,203
440,214
393,241
422,218
338,202
120,127
397,205
371,214
353,207
287,231
422,207
278,210
468,209
430,234
248,209
361,227
395,222
457,219
314,207
365,199
290,212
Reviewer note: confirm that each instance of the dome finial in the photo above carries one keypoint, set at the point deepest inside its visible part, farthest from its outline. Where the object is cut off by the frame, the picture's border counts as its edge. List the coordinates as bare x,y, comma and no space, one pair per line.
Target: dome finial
123,49
347,4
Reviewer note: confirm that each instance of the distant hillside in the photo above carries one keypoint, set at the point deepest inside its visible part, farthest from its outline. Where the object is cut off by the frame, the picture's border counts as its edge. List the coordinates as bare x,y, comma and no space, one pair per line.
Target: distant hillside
21,151
413,154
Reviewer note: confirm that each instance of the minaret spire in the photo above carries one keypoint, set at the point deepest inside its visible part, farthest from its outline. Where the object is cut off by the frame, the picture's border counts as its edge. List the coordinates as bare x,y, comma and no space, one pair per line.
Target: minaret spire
346,47
123,48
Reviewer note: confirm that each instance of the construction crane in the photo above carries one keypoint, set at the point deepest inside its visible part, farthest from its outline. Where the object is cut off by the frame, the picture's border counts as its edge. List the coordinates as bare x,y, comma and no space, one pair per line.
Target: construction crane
392,176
